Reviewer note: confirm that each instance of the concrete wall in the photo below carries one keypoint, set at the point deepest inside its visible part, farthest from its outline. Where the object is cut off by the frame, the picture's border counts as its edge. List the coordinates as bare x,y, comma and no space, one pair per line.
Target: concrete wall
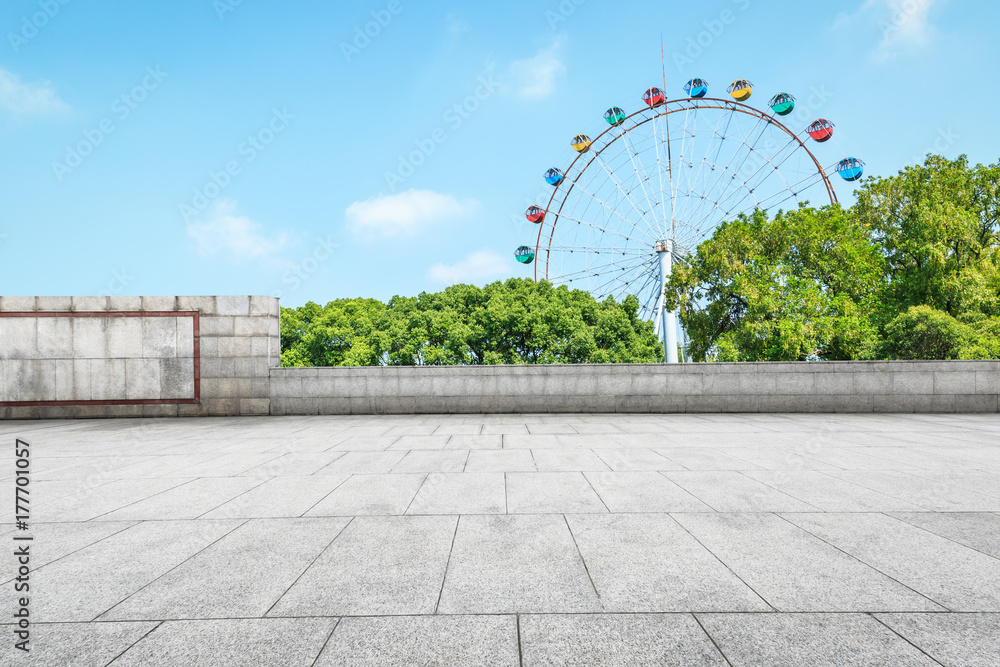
219,355
137,356
945,386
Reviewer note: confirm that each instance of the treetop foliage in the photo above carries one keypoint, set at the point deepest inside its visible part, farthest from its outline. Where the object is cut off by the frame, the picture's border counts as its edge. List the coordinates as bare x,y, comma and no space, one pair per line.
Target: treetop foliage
511,322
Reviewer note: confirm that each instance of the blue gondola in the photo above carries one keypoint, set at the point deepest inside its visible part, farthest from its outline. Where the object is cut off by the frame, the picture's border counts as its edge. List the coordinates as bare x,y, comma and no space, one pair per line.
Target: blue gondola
553,177
696,88
851,169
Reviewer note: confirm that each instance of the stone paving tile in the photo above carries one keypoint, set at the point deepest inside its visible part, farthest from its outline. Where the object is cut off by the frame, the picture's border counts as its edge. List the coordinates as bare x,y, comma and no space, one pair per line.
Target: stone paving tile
53,541
636,459
732,491
411,442
275,642
978,530
295,463
573,460
371,463
551,493
85,584
551,429
404,641
704,458
458,429
508,564
363,444
279,497
226,465
795,571
608,640
461,493
186,501
97,501
648,563
240,576
370,494
643,492
969,640
983,482
433,461
62,644
500,461
946,572
377,566
505,429
775,458
468,442
845,458
817,640
827,493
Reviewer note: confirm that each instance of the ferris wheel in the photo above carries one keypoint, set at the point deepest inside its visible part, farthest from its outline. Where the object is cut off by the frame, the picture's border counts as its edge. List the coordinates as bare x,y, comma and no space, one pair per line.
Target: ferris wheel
656,182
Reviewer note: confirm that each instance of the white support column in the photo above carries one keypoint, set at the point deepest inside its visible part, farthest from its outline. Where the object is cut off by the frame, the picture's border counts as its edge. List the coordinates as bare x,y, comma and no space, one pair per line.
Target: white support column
668,325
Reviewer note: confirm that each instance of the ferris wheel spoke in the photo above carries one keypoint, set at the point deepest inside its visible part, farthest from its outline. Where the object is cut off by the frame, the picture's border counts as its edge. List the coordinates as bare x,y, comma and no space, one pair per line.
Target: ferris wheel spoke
704,160
613,210
615,269
602,250
600,288
603,230
621,187
736,153
751,185
634,157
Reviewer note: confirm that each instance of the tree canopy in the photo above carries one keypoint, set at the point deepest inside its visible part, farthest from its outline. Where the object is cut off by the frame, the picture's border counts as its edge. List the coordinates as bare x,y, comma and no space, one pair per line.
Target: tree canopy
912,271
516,321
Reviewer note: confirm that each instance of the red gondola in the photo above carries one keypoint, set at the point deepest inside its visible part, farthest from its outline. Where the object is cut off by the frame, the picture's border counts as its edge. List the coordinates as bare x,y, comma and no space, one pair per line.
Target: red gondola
535,214
654,97
821,130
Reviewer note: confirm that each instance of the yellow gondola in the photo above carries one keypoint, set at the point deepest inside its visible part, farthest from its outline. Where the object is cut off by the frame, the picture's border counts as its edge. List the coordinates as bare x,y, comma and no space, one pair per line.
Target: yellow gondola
741,90
581,143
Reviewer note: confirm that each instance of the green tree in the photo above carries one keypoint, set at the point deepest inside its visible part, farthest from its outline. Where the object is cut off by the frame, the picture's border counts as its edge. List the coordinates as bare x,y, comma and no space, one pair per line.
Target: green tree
516,321
923,332
937,225
799,286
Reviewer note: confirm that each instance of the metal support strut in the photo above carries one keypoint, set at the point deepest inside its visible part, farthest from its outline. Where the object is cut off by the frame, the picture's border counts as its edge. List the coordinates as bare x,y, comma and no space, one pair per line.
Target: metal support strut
668,320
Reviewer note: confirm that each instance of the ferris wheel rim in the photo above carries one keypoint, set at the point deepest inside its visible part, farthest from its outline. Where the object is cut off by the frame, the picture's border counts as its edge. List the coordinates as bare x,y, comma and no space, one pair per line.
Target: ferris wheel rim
668,107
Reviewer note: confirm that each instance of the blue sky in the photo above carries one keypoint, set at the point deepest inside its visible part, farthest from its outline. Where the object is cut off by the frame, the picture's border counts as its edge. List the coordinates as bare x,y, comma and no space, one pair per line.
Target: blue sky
236,147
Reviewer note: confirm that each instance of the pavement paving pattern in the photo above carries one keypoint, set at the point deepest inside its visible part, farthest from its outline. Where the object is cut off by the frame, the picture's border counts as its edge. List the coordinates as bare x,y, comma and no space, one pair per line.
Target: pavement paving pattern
535,540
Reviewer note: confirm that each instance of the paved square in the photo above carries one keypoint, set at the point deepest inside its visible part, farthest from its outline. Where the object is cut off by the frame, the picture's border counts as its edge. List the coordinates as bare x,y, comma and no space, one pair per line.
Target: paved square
451,540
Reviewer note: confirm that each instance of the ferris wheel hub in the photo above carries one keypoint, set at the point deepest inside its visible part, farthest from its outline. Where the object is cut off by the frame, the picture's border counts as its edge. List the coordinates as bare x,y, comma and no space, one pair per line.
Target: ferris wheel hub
664,246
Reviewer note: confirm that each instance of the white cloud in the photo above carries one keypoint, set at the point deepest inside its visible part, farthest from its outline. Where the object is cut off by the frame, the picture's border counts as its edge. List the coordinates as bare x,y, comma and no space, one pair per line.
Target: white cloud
535,78
901,23
28,98
405,213
479,266
224,231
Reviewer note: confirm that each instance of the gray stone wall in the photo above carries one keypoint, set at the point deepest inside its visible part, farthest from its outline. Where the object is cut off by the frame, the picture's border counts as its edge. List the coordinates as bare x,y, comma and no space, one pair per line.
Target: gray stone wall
130,357
902,386
131,364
